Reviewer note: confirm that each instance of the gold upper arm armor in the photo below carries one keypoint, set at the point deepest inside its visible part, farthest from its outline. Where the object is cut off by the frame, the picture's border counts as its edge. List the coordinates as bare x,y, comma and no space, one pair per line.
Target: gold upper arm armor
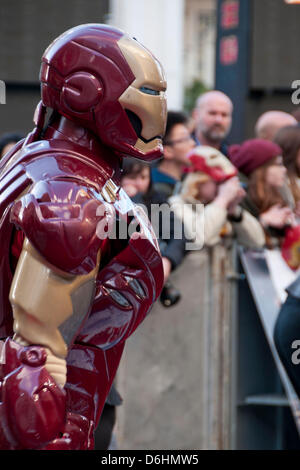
48,304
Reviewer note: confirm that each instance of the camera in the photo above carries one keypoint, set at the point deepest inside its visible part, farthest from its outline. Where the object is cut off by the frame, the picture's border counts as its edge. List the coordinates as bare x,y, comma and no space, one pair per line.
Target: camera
169,295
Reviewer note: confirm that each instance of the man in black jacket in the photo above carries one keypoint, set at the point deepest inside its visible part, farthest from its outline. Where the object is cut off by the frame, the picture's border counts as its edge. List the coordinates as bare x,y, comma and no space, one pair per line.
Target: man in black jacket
287,334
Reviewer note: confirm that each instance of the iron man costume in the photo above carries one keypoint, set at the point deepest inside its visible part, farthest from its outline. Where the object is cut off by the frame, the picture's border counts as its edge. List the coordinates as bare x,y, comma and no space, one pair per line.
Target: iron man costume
70,293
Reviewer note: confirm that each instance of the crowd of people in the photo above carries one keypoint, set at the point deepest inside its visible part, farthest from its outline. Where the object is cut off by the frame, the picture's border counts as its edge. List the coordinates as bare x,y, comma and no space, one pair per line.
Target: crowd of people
248,191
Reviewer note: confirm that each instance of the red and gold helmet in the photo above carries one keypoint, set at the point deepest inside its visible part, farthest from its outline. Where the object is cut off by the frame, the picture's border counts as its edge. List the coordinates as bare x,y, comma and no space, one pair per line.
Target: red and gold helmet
211,162
108,82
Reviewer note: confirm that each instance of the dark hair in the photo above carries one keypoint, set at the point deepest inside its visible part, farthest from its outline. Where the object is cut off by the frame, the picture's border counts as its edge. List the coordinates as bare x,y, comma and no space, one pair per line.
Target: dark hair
174,118
132,166
9,138
288,138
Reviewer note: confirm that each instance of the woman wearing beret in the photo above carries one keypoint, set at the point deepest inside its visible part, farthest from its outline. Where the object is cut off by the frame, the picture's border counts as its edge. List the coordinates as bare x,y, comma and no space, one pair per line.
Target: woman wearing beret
268,195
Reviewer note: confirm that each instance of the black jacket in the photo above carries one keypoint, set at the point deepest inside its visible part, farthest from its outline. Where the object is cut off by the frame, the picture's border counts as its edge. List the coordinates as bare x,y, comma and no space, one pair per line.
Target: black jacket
171,246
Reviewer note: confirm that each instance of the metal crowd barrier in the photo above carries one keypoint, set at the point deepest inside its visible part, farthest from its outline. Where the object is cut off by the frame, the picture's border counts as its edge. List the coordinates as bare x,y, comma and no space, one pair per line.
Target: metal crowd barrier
205,374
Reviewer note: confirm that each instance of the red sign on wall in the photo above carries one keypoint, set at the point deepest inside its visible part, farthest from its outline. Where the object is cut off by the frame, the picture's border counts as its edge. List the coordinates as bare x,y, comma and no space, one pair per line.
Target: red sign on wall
230,14
229,50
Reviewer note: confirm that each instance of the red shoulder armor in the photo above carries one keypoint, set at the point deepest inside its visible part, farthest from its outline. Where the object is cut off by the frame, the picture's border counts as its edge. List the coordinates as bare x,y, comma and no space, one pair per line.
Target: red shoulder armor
60,219
29,178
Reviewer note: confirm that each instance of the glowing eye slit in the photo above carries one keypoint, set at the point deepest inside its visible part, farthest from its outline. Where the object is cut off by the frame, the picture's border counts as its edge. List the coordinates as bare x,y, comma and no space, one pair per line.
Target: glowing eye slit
149,91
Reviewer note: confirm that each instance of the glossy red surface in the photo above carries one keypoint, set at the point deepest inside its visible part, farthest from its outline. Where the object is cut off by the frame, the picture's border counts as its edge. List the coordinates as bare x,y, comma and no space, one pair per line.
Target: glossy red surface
51,190
62,178
32,406
59,218
90,374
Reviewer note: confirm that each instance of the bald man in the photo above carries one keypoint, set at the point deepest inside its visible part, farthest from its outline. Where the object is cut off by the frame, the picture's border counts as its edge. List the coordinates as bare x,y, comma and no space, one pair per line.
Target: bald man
213,119
270,122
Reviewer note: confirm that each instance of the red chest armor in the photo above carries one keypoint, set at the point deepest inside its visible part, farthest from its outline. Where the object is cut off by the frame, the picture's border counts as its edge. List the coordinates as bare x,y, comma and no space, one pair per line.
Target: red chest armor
51,191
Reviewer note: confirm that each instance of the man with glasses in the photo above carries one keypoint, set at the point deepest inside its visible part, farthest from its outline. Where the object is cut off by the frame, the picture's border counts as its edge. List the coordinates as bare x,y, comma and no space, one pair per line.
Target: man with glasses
177,144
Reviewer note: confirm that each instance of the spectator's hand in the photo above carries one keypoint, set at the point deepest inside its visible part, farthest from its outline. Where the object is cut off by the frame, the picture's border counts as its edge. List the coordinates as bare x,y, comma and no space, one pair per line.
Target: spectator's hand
130,189
233,205
230,193
167,267
277,217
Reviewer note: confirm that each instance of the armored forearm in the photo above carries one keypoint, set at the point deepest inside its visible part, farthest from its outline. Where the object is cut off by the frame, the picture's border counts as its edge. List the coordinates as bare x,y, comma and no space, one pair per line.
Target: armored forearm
49,307
32,404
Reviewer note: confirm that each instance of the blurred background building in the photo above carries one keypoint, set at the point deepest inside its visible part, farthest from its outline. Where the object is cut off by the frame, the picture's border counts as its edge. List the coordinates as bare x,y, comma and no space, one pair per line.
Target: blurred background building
246,48
170,28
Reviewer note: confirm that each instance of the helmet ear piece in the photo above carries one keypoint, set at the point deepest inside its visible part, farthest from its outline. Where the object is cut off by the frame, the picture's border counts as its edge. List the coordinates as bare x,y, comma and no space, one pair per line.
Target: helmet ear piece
81,91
